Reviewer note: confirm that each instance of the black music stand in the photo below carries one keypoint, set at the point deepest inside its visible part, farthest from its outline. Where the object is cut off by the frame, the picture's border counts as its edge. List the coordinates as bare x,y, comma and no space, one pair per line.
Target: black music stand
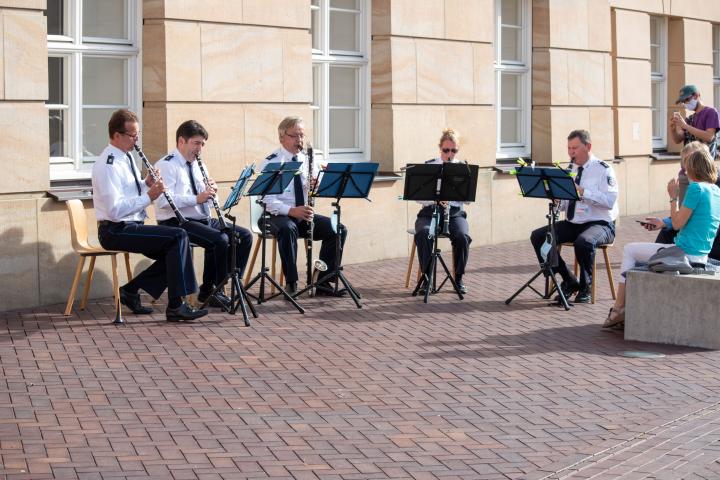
342,180
272,181
439,182
238,295
553,184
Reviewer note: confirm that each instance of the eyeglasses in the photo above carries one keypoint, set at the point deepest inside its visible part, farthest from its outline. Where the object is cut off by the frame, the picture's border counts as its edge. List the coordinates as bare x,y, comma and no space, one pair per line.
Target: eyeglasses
134,136
448,150
299,135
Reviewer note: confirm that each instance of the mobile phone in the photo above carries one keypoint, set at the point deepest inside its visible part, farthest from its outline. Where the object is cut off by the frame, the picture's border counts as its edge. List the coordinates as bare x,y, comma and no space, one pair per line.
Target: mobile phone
644,224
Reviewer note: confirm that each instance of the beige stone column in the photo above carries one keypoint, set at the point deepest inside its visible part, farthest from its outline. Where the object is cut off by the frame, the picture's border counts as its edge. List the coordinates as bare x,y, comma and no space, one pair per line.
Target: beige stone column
24,152
432,67
572,76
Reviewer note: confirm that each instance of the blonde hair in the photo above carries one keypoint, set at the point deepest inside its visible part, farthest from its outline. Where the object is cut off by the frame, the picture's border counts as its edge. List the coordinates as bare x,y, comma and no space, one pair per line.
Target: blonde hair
288,123
449,134
694,146
701,167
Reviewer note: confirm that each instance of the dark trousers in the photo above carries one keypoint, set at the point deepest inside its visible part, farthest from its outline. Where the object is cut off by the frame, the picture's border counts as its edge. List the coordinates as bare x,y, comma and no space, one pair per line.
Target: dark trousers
287,230
459,238
168,246
209,235
585,237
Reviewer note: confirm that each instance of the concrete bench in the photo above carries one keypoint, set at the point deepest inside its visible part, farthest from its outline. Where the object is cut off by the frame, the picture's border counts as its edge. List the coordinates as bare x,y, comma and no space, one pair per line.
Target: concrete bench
673,309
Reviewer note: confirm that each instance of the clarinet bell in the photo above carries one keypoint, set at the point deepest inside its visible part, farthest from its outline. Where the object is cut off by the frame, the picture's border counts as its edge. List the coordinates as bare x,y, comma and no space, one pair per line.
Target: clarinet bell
319,266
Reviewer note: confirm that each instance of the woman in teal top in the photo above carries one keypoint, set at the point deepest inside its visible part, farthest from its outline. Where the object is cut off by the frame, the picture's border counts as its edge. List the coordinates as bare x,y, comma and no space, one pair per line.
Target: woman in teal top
697,221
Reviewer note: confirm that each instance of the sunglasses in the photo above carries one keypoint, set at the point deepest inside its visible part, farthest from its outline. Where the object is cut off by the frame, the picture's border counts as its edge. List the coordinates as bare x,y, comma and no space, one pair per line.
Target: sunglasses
448,150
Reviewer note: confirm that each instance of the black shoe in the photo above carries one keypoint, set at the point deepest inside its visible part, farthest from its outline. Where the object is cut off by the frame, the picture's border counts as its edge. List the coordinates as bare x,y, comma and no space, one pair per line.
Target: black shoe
568,289
132,301
184,313
460,284
327,290
291,289
219,300
583,297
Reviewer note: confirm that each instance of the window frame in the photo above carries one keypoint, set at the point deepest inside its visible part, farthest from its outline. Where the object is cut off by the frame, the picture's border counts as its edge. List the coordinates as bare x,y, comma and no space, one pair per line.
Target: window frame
524,70
716,63
74,48
660,78
323,59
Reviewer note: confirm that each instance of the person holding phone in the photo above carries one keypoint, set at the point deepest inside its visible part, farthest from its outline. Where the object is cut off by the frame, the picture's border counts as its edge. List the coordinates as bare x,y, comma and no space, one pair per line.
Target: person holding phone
696,220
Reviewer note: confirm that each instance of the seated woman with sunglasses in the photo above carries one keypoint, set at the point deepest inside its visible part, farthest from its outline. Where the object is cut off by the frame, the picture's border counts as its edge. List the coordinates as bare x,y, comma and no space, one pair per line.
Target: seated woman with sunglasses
458,225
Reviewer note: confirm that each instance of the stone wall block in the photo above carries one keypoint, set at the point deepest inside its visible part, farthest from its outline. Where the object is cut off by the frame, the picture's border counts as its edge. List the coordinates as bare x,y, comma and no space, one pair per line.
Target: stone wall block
469,20
28,4
404,70
418,18
297,66
183,61
19,280
484,71
435,84
631,34
154,63
25,165
468,120
637,189
278,13
381,71
205,11
24,55
633,131
633,83
235,69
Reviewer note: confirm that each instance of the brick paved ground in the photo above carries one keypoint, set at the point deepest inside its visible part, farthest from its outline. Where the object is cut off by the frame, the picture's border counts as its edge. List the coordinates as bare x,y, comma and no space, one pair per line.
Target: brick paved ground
473,389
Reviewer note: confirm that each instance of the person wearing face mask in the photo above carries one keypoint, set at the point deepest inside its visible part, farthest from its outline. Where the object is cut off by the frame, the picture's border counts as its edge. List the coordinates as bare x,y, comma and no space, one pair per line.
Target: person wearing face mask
193,198
290,214
701,125
458,224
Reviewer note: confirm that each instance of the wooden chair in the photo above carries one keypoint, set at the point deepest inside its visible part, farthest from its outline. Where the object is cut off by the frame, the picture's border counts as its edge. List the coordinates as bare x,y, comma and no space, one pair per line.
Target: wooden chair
79,238
608,268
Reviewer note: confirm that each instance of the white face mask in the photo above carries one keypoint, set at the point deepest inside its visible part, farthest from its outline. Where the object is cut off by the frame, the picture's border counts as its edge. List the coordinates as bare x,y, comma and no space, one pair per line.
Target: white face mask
691,104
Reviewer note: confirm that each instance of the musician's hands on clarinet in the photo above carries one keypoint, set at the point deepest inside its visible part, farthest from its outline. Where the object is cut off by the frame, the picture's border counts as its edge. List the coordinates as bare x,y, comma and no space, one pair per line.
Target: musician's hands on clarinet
156,188
302,212
206,194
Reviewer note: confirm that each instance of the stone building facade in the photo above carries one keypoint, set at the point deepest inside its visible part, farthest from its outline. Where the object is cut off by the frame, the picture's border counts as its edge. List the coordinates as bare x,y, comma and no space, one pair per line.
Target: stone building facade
376,80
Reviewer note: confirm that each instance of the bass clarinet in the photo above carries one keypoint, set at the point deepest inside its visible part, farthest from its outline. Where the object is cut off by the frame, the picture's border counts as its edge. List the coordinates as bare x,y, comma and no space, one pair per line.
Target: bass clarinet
178,214
201,166
313,268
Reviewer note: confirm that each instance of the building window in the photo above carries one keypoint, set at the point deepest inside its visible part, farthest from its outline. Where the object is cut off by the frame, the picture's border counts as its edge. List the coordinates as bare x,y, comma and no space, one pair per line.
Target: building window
93,69
513,47
658,80
340,43
716,65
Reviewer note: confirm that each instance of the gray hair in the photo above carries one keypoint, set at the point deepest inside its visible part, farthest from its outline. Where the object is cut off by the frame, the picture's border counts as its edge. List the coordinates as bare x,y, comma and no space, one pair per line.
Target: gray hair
288,123
582,135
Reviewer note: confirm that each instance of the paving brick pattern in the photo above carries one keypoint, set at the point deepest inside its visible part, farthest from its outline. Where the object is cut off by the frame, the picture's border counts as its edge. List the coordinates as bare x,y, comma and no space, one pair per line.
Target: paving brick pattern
471,389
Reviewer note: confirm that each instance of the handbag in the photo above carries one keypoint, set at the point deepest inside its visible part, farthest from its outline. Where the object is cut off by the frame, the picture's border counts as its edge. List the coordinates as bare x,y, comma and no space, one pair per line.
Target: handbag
671,260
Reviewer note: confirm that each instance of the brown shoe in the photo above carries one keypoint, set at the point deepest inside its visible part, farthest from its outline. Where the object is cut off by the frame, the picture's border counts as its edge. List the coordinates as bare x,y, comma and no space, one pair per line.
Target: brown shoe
616,316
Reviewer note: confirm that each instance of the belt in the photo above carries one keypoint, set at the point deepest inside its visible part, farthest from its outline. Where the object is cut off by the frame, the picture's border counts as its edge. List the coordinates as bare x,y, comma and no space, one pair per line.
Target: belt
108,223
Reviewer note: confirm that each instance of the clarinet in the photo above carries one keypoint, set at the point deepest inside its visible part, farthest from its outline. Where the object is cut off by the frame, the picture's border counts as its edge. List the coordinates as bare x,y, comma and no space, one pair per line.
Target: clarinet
180,217
311,204
207,185
446,221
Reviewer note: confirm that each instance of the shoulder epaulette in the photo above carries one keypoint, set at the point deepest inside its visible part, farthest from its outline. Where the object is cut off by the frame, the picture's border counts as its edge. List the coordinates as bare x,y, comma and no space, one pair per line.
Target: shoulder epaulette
271,156
604,164
169,157
430,161
110,159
